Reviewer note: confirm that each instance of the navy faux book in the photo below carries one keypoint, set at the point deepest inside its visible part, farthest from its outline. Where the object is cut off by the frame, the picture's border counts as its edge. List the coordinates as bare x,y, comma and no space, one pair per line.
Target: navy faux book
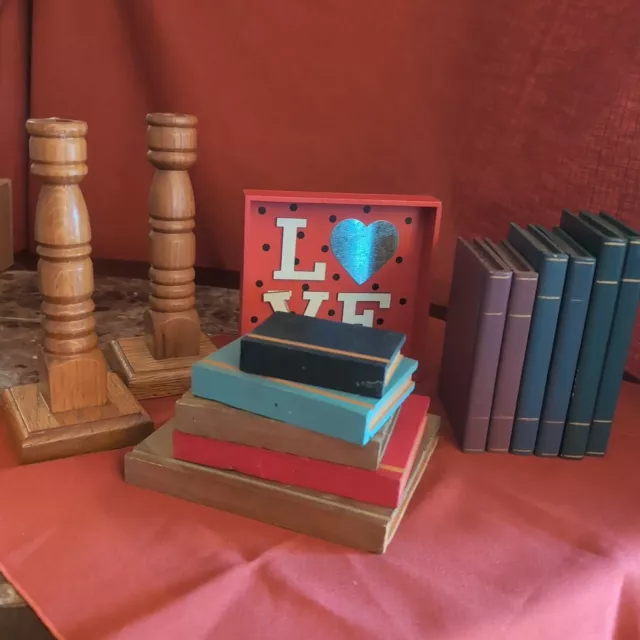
610,252
323,353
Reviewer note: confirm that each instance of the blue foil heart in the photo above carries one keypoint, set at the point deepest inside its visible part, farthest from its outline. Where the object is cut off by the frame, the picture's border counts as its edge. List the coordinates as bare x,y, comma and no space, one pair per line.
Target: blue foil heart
362,249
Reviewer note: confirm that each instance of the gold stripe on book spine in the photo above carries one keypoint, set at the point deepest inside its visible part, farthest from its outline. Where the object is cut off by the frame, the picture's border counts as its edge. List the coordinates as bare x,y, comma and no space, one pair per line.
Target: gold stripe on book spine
313,347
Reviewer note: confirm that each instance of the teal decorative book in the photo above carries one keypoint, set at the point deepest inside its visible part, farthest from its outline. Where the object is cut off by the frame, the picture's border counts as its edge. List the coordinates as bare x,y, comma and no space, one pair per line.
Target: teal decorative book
341,415
610,253
566,348
551,265
619,340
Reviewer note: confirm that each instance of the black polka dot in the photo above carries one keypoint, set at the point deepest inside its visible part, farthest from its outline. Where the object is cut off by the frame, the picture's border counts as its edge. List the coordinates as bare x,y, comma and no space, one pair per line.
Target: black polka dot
408,220
366,208
399,259
254,319
403,301
332,218
266,247
259,283
379,321
293,207
296,261
262,210
305,287
336,276
332,312
325,248
300,234
375,286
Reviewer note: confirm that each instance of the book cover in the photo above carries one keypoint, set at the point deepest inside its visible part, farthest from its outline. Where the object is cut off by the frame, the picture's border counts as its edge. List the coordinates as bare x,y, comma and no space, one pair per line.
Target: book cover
322,353
524,283
551,265
363,526
473,337
619,341
609,253
384,486
341,415
564,359
210,419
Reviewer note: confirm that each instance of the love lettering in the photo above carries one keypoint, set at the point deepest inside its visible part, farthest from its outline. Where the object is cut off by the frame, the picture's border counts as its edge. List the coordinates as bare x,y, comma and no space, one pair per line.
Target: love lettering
279,300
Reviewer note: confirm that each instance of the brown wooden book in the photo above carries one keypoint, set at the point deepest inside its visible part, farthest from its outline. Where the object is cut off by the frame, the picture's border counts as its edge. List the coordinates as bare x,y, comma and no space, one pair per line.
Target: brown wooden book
209,419
340,520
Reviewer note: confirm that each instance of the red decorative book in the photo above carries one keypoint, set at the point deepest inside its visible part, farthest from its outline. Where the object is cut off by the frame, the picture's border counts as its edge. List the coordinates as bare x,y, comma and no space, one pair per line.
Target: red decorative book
383,487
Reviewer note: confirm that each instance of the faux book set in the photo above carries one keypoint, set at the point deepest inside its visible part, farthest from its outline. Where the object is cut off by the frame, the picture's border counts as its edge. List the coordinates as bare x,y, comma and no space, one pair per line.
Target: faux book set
538,332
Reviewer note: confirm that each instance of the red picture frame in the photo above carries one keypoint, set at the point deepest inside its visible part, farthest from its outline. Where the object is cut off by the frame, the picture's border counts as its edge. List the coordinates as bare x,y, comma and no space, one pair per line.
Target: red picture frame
359,258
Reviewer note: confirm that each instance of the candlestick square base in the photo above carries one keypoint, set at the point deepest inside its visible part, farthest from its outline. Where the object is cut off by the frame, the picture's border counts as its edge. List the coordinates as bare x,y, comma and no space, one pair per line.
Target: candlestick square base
147,377
43,435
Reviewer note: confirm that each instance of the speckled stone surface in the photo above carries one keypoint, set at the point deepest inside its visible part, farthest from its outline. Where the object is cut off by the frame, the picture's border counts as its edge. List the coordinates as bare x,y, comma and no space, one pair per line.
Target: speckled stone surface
120,304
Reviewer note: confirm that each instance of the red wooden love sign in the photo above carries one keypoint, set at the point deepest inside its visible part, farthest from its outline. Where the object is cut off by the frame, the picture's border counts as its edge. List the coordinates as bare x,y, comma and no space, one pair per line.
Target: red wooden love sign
362,259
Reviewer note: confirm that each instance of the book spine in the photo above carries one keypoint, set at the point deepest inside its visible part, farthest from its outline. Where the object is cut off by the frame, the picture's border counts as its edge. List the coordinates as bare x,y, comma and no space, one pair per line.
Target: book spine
573,314
514,346
486,359
593,349
332,370
617,352
544,322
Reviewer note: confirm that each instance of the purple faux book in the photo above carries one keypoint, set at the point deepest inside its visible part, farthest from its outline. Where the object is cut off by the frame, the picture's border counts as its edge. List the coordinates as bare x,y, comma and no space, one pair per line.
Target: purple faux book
478,300
524,284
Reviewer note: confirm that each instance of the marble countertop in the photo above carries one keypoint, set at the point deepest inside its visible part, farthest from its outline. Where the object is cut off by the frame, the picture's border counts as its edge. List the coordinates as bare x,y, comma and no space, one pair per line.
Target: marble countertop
120,304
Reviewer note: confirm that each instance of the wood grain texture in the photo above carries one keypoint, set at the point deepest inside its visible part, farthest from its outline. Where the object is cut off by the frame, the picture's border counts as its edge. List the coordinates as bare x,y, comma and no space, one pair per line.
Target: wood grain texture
6,225
41,434
209,419
347,522
74,372
172,325
148,377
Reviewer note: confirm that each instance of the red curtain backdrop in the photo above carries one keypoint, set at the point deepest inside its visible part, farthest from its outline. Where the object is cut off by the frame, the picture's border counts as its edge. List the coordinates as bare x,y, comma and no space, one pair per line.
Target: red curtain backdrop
504,110
14,80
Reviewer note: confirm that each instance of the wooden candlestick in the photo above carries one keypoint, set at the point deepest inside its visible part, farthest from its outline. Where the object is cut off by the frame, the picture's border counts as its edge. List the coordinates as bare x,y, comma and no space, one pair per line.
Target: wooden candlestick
78,406
159,363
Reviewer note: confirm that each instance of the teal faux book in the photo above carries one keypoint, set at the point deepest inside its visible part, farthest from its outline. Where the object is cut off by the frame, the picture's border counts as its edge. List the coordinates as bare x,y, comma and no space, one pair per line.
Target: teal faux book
341,415
610,253
566,347
620,338
551,265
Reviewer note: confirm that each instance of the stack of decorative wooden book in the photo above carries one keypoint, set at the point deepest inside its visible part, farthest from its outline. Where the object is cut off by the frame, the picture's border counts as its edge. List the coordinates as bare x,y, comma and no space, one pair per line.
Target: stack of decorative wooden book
538,332
304,423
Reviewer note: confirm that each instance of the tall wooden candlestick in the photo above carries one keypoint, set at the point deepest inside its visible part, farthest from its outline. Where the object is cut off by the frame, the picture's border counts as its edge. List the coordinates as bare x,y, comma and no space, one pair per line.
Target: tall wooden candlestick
78,406
172,325
159,363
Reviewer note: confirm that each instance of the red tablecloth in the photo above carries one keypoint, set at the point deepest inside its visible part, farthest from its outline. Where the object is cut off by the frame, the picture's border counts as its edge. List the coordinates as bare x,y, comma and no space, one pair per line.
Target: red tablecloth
492,546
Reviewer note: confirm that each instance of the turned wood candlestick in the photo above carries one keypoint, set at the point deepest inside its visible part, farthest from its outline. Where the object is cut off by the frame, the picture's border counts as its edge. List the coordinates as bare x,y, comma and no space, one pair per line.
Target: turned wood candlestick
74,371
78,406
172,325
159,363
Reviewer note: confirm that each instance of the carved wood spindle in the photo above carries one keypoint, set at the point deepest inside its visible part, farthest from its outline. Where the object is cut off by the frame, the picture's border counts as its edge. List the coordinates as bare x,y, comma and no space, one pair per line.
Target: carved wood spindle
74,369
172,325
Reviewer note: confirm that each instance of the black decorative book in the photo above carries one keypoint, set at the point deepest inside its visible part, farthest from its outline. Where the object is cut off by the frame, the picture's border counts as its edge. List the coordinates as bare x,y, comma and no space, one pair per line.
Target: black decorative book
323,353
